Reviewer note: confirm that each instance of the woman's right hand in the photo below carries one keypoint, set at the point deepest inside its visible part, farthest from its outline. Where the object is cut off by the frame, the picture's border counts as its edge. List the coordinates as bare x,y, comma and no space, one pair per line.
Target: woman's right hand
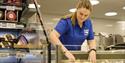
70,56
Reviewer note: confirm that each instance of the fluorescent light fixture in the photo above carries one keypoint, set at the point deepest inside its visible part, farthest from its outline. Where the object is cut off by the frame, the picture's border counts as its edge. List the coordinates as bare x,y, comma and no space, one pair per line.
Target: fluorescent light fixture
123,8
94,2
72,10
111,14
121,22
32,6
56,19
109,25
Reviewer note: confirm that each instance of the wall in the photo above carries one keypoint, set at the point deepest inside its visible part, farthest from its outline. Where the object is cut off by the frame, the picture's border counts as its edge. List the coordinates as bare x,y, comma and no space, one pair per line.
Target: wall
99,25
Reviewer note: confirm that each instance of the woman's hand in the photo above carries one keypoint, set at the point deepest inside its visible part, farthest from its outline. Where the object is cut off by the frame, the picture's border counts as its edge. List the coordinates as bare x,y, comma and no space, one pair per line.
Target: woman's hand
70,56
92,56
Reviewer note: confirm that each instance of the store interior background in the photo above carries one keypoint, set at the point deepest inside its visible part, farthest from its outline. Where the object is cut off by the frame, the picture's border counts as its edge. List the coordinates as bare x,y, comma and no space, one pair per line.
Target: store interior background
53,10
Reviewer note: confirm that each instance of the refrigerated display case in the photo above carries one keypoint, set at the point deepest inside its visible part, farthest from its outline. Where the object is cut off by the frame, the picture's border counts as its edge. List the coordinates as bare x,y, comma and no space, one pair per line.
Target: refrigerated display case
22,39
102,56
113,56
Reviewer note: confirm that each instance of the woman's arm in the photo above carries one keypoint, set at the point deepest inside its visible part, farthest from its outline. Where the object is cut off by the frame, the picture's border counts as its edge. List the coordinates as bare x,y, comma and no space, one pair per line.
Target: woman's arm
54,37
92,50
92,44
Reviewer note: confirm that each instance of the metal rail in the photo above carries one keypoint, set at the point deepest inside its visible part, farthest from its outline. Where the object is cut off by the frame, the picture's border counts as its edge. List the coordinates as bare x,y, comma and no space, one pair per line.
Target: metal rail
44,31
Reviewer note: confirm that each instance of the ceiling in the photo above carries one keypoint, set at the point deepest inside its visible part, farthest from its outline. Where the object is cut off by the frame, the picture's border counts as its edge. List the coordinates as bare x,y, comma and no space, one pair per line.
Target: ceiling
61,7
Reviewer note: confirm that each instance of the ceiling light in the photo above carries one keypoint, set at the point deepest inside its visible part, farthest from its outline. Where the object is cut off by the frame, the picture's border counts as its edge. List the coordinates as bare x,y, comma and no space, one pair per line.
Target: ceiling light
123,8
32,6
121,22
109,25
72,10
56,19
111,14
94,2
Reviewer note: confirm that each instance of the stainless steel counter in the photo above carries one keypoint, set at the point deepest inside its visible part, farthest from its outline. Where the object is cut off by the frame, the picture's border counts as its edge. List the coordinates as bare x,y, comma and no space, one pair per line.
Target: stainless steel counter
98,61
112,56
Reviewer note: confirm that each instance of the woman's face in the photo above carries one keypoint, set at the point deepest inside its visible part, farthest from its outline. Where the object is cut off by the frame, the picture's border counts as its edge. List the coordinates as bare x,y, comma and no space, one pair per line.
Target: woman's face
82,14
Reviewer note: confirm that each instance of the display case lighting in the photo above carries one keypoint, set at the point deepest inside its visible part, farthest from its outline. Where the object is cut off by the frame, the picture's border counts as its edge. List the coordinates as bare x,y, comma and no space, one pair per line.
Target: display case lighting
32,6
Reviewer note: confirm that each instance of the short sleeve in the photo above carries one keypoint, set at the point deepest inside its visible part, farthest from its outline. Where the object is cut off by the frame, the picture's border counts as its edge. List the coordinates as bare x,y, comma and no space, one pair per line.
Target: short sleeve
61,27
91,33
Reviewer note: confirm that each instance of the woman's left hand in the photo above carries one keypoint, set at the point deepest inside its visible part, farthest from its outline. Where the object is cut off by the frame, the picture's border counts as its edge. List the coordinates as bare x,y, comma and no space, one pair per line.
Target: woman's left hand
92,56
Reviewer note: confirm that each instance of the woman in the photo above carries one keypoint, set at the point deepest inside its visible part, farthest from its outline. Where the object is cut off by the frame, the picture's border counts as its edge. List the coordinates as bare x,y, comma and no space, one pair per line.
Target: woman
74,29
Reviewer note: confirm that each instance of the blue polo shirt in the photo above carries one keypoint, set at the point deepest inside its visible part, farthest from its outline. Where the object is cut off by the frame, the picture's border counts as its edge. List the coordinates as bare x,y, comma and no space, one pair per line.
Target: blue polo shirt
73,36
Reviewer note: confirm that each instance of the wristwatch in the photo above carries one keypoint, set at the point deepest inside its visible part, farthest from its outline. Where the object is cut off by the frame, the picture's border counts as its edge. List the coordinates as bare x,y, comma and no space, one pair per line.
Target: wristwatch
91,50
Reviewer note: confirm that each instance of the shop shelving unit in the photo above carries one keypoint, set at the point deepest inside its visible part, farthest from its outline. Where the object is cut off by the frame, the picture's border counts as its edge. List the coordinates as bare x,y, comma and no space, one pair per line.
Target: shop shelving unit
19,26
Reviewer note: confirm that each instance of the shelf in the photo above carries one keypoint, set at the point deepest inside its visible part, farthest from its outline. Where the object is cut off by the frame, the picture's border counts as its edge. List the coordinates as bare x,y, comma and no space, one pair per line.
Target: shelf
6,25
121,44
17,27
10,7
22,4
115,47
7,21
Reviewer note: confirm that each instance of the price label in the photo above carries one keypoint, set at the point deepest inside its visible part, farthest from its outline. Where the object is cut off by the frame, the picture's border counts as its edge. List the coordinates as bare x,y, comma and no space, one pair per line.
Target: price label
11,25
4,25
0,25
10,7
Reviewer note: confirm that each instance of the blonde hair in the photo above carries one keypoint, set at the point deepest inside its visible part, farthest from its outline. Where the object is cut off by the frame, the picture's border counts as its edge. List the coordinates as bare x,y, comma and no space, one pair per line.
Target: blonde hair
81,4
84,4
